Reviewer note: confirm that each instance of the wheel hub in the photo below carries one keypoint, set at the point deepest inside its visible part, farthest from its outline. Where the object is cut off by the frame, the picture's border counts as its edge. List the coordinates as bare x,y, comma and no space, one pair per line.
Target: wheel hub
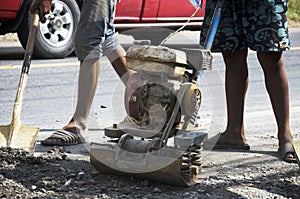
55,22
58,23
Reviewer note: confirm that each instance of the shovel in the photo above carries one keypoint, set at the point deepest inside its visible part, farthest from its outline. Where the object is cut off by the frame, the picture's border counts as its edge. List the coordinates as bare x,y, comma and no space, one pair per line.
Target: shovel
296,146
15,135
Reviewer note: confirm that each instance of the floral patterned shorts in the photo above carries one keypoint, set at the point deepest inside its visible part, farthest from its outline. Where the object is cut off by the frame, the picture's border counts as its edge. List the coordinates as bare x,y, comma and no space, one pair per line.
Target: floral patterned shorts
260,25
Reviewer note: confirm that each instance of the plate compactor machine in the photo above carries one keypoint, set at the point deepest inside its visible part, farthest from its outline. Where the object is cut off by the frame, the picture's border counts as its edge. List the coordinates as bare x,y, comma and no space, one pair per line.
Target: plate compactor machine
158,139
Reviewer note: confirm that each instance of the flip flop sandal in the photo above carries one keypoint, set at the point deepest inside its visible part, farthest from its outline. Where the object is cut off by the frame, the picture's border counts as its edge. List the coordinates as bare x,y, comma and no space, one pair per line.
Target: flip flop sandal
62,137
223,144
284,152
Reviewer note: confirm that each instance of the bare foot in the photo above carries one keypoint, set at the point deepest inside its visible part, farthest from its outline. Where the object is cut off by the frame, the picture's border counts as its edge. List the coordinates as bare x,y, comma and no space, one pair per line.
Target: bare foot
234,137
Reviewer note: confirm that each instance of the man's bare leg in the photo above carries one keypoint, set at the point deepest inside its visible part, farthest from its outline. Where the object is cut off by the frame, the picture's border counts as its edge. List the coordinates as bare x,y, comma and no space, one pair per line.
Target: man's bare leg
277,87
87,85
118,60
236,84
88,80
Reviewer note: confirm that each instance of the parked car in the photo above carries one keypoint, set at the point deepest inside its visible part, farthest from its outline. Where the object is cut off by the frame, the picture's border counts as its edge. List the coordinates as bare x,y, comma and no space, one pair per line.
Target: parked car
56,31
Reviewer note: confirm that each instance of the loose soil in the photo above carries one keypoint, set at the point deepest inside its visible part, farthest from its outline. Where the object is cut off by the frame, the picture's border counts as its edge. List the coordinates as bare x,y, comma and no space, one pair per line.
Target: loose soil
57,173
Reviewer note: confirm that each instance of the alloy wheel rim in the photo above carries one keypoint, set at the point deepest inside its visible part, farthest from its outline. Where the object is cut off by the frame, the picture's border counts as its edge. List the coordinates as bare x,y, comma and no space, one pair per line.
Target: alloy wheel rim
57,26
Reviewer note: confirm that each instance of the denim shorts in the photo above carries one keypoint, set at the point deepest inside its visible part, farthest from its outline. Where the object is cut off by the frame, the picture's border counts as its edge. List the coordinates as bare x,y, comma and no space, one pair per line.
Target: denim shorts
95,35
260,25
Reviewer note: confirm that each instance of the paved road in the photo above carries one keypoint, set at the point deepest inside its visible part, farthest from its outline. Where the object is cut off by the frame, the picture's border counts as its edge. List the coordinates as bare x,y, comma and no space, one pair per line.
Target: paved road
50,96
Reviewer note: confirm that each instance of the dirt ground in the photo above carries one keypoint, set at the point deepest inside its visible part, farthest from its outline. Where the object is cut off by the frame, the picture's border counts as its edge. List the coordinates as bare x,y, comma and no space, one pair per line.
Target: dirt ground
10,37
59,173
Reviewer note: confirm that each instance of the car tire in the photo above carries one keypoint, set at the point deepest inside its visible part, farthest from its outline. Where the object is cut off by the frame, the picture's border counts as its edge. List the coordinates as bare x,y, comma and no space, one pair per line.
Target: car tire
56,32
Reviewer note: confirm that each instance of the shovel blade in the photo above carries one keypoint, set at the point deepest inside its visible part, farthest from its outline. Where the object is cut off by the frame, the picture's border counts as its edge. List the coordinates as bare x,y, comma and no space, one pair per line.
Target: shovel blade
4,135
20,137
296,146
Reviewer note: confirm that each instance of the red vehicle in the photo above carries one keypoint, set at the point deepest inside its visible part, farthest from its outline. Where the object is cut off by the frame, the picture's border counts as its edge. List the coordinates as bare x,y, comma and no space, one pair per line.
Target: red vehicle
56,31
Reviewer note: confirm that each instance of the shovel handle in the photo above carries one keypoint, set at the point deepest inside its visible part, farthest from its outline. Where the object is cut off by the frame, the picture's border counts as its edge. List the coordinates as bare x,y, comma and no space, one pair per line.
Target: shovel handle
30,42
214,25
25,68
